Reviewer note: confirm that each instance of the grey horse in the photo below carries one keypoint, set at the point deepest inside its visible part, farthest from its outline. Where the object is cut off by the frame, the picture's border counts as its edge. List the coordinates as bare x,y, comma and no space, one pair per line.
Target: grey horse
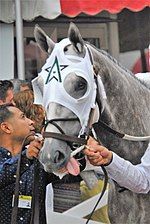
124,106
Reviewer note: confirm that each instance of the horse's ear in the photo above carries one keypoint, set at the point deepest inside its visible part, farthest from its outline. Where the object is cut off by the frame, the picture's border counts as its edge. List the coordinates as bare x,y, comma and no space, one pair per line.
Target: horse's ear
44,42
76,38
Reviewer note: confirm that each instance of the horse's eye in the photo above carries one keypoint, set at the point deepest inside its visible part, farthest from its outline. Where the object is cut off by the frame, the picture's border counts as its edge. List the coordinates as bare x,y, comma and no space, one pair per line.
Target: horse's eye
80,85
75,86
65,49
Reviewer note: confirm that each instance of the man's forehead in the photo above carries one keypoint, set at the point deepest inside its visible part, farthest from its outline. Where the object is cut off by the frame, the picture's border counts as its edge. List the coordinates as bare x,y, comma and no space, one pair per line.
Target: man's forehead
15,110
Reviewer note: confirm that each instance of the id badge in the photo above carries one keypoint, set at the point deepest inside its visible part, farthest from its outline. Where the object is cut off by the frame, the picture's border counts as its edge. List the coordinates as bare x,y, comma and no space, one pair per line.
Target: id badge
24,201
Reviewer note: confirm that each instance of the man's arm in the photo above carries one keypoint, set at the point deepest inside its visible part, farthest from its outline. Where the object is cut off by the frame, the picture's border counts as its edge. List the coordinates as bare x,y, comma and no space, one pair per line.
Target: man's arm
8,167
134,177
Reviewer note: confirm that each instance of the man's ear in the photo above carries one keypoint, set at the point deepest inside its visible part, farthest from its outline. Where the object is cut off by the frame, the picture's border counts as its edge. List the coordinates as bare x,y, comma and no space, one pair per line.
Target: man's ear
6,127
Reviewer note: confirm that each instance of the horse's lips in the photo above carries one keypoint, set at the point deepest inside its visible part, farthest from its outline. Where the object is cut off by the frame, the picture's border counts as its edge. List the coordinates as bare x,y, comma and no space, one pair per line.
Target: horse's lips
73,167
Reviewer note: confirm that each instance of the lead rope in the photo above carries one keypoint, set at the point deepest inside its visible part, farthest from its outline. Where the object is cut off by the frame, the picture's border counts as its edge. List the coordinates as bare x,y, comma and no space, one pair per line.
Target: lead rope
35,195
94,134
104,185
101,195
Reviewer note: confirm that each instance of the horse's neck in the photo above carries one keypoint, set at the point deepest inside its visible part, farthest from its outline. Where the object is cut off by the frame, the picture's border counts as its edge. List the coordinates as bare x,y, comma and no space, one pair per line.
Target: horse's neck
127,112
126,99
127,109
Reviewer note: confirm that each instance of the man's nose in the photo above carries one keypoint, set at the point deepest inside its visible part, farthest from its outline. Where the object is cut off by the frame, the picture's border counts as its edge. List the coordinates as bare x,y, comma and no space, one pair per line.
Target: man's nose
30,121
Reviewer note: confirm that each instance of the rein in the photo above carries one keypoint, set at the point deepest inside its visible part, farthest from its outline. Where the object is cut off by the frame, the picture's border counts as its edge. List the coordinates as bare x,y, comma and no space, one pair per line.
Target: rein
82,139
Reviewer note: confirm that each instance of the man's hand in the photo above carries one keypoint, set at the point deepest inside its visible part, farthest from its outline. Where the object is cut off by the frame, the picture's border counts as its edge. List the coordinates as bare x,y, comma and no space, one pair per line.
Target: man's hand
97,154
34,148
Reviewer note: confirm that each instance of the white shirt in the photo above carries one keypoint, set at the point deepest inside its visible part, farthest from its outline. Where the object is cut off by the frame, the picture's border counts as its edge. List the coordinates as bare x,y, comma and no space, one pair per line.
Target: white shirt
133,177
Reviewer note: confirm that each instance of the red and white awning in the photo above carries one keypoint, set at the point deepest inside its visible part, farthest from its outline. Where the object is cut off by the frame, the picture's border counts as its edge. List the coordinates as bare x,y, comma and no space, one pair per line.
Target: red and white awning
72,8
53,8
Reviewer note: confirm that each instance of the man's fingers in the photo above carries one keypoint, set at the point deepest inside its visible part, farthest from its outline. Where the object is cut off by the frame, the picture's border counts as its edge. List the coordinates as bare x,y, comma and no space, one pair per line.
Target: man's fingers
37,143
92,141
33,151
95,148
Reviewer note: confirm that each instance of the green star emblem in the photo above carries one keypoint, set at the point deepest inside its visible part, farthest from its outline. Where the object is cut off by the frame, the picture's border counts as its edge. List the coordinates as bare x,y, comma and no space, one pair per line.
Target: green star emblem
54,71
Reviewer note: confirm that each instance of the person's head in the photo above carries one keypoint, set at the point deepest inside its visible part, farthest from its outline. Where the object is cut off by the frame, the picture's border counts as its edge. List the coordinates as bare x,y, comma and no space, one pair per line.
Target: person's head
21,85
14,125
24,101
25,85
6,92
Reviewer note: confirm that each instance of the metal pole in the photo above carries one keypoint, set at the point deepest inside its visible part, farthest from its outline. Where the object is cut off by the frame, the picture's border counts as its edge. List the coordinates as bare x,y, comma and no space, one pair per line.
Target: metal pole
19,37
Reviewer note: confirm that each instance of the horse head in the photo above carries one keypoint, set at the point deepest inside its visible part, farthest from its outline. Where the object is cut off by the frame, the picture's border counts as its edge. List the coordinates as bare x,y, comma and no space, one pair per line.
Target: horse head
66,87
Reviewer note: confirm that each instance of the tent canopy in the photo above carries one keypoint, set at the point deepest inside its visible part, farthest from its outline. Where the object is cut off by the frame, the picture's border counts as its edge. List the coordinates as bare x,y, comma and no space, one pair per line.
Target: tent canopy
51,9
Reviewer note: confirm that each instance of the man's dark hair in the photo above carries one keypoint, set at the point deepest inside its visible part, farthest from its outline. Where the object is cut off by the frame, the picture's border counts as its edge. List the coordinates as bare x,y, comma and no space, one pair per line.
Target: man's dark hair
5,113
5,85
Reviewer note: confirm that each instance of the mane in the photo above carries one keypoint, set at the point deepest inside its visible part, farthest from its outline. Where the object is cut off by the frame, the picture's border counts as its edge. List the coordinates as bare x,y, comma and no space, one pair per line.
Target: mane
105,53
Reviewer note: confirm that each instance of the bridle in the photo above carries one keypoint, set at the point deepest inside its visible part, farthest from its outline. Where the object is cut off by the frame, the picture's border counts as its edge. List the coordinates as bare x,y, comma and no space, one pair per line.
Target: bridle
82,139
62,136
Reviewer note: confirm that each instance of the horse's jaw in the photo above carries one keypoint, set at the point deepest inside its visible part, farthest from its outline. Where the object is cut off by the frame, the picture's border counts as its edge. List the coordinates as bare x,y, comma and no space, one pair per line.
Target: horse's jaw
59,161
70,166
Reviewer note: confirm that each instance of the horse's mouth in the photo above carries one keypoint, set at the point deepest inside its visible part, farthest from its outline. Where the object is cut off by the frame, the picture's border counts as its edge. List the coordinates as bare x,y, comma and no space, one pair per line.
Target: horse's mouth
73,167
58,163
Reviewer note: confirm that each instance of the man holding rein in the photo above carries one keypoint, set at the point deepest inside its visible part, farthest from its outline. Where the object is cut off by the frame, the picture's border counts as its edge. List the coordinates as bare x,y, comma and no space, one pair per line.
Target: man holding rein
133,177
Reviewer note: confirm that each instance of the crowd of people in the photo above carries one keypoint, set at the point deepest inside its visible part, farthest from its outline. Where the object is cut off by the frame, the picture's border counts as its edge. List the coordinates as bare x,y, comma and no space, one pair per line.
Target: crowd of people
19,117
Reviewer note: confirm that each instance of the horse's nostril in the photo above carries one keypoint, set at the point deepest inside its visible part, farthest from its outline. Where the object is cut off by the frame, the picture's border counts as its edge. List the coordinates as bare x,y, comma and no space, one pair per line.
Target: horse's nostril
59,156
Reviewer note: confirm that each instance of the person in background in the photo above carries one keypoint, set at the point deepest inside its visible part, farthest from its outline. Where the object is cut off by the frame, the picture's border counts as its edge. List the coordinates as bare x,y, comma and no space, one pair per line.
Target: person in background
21,85
6,92
14,127
24,100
